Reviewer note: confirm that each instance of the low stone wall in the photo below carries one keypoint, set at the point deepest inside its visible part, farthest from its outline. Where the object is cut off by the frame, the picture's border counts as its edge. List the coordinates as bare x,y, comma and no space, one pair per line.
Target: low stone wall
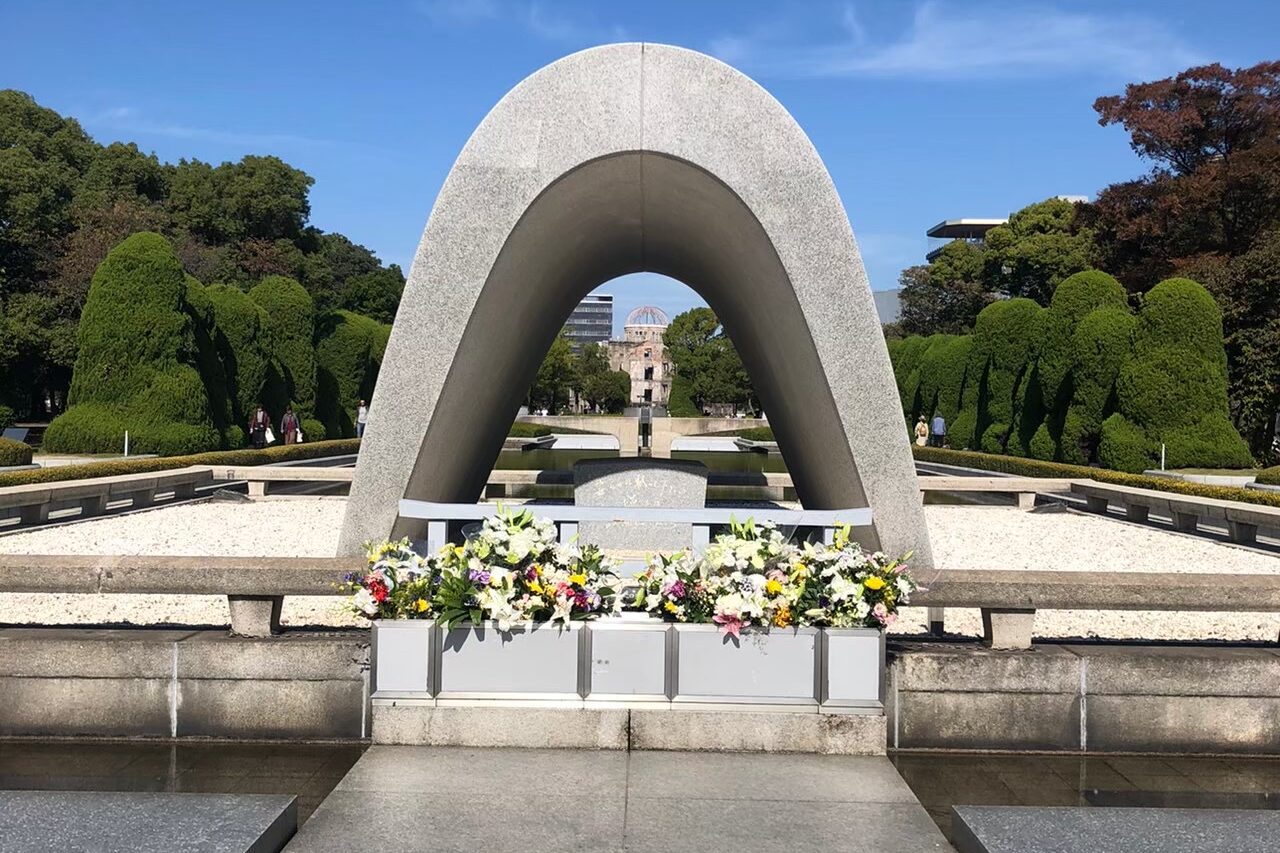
68,682
1098,698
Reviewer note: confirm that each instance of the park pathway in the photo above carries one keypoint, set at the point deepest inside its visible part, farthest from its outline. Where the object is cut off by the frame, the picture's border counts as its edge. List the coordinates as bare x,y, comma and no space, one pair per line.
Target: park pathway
439,799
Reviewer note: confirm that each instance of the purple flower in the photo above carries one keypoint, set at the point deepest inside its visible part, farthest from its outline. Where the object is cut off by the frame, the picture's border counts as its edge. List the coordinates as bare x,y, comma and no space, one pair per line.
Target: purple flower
479,576
676,590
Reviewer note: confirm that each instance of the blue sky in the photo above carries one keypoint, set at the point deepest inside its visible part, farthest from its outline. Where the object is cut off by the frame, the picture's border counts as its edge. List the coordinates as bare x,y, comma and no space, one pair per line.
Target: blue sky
921,110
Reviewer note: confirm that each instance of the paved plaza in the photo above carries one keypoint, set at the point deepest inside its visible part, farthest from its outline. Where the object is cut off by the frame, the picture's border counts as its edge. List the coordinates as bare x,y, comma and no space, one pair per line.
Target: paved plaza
408,799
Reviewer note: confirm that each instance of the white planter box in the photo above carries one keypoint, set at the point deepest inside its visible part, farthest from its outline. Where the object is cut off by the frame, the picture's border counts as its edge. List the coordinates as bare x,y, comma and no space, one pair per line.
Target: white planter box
531,661
401,652
777,667
853,669
627,660
633,661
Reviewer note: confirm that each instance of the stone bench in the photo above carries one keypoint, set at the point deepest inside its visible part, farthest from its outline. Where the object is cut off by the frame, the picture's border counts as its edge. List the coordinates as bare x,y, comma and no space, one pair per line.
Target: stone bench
35,501
1024,489
1242,520
259,476
254,586
1009,600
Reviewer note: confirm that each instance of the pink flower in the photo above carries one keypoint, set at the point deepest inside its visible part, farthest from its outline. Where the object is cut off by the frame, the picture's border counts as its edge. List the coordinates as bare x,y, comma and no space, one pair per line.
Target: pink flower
730,623
881,613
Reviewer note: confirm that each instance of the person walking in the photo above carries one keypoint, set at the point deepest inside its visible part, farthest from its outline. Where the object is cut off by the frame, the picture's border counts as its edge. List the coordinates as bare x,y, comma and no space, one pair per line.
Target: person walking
922,432
939,430
362,417
258,426
289,427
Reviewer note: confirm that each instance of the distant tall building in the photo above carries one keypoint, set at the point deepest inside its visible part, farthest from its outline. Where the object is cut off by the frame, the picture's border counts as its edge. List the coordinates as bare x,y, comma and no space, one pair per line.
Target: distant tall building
642,355
970,230
592,321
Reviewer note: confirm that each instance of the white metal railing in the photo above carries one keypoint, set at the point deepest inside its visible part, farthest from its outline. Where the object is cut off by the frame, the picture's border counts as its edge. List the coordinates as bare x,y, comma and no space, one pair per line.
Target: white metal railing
567,517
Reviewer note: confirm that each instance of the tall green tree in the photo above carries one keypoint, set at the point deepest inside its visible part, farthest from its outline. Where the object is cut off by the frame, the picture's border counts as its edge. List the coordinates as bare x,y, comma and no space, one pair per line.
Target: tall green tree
555,376
704,356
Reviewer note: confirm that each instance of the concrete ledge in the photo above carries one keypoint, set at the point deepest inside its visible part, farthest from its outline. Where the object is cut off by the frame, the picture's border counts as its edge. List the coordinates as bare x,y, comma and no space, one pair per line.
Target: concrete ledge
1116,698
497,725
534,728
747,731
139,683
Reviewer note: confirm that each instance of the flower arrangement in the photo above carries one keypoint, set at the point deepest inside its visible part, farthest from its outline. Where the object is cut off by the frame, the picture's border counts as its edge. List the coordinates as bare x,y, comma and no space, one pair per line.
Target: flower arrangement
397,585
753,577
749,577
512,570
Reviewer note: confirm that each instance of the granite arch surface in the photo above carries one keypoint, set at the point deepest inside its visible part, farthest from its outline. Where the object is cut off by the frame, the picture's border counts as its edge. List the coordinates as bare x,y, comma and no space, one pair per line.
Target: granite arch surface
620,159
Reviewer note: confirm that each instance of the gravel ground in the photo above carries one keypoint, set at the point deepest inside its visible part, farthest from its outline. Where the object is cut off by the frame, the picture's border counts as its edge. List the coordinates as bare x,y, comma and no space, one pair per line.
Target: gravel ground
963,537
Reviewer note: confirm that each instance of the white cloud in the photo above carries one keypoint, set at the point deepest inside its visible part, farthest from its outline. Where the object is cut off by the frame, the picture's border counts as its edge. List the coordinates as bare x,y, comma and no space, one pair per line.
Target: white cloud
131,120
946,41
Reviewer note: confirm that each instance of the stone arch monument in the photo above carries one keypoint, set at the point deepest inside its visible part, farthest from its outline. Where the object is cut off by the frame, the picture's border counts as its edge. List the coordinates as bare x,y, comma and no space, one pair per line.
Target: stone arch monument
618,159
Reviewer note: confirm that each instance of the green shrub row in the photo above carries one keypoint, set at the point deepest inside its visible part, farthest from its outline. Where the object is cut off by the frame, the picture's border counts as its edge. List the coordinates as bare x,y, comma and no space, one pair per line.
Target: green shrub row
1270,476
14,453
114,467
1036,468
1083,380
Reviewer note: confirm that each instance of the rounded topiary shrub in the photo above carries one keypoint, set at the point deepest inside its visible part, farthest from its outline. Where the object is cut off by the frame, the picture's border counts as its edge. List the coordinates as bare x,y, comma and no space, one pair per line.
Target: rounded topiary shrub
137,367
960,431
942,375
1164,388
237,338
345,368
14,453
1074,299
1124,446
288,331
1179,312
1209,442
993,438
1042,445
1099,348
1006,337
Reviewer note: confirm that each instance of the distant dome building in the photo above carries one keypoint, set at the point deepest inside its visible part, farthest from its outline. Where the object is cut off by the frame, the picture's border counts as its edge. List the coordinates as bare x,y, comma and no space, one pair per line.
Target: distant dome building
642,355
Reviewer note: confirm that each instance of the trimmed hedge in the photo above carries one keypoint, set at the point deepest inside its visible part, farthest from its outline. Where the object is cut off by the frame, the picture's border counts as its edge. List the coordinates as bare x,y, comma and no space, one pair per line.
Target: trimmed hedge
1074,299
136,367
1006,338
1083,380
14,453
349,351
238,322
288,330
1270,476
1036,468
114,467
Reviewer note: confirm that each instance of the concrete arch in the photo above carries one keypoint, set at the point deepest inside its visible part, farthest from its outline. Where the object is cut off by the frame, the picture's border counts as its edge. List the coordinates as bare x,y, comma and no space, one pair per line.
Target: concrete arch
614,160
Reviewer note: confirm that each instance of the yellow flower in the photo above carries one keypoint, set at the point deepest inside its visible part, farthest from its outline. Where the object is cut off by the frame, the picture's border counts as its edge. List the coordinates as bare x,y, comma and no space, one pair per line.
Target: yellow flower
535,587
873,582
773,587
669,607
782,617
421,605
579,579
801,570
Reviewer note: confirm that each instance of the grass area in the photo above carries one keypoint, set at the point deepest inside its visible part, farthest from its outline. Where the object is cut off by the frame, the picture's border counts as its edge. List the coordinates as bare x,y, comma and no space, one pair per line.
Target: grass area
749,433
1023,467
520,429
115,467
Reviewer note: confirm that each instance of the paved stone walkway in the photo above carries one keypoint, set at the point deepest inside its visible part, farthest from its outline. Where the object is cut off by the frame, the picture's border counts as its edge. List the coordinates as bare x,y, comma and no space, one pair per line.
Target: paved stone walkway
437,799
